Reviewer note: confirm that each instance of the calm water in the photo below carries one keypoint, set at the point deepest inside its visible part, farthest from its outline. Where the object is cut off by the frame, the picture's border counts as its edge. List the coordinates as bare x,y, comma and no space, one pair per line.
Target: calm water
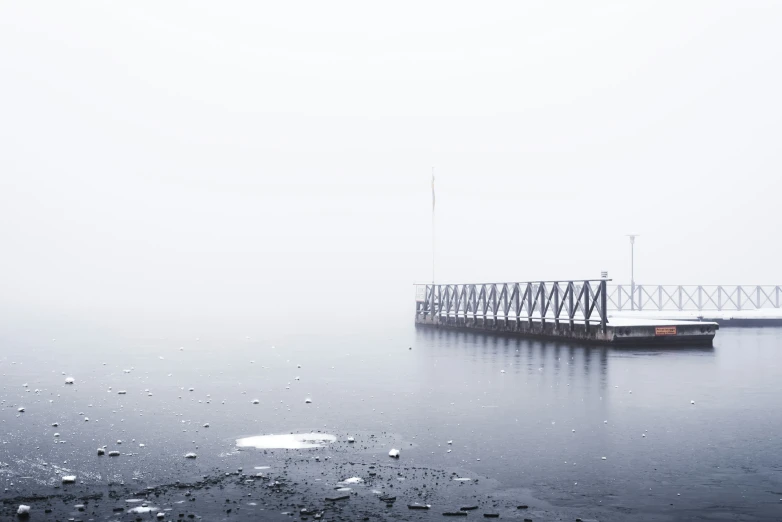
509,406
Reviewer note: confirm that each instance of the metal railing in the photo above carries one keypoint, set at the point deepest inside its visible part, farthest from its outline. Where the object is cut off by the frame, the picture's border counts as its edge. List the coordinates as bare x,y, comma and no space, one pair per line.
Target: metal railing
582,301
691,297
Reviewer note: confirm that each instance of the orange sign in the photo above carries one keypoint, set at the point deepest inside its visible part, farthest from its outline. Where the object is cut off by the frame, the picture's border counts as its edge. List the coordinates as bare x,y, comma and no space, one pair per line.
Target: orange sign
664,330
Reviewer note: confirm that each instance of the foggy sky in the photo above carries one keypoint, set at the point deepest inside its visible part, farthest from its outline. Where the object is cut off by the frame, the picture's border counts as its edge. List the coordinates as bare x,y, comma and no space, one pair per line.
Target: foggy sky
218,160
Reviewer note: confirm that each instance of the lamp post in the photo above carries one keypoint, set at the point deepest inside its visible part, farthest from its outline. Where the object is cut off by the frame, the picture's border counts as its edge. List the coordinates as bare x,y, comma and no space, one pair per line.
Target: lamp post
632,269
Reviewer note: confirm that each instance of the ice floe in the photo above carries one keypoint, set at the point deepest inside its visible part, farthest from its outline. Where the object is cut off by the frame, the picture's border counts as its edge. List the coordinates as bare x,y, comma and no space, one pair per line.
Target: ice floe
287,441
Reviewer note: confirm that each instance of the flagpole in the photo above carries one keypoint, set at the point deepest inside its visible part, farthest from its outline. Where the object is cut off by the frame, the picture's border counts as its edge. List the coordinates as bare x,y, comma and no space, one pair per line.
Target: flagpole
433,229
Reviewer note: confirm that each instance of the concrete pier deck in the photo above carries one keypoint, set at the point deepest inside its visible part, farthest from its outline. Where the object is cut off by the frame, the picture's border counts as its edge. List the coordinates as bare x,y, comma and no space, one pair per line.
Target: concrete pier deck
619,331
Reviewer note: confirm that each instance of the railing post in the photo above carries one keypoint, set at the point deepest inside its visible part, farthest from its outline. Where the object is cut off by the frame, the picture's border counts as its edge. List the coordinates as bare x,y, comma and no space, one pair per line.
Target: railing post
777,305
660,297
619,297
529,305
556,305
700,304
570,312
757,304
719,298
680,298
586,305
738,297
603,305
640,298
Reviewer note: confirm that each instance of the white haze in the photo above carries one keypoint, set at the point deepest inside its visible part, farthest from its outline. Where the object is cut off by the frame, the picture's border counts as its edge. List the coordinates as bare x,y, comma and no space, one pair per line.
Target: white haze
238,162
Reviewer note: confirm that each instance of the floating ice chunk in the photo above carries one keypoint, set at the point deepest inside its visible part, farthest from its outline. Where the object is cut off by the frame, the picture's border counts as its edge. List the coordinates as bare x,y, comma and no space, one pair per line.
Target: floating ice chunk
603,458
140,510
119,442
190,389
56,435
206,425
288,441
23,510
161,516
69,380
122,392
351,439
114,454
256,401
69,479
343,490
307,400
450,442
353,480
86,419
20,410
191,456
55,424
101,451
502,371
462,479
297,378
394,453
692,402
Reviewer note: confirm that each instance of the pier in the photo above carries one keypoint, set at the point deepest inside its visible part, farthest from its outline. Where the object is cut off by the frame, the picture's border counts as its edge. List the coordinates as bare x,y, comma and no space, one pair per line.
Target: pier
575,310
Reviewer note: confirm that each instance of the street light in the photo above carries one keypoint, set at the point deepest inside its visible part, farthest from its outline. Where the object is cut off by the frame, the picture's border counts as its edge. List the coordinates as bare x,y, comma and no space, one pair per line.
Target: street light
632,269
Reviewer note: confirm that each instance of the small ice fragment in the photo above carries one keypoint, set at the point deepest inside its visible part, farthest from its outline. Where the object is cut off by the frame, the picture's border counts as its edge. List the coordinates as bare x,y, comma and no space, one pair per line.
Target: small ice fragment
23,510
502,371
206,425
119,442
603,458
141,446
21,410
256,401
69,380
56,435
307,400
141,510
114,454
190,456
353,480
692,402
86,419
462,479
101,451
55,424
394,453
69,479
351,439
450,442
190,389
121,392
605,422
161,516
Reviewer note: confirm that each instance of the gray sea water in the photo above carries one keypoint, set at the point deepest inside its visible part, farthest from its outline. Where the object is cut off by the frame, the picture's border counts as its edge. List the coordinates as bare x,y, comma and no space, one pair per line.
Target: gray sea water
565,428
